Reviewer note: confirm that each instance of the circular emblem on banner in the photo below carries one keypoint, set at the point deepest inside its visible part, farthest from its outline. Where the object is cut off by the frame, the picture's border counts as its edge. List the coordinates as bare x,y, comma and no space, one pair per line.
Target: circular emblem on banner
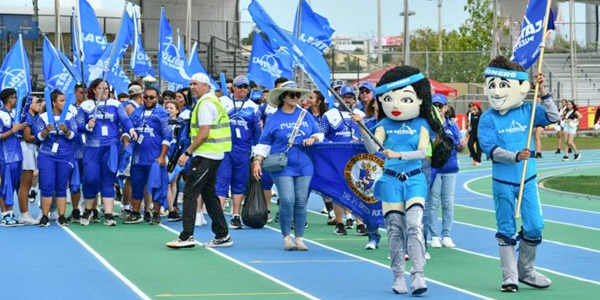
361,172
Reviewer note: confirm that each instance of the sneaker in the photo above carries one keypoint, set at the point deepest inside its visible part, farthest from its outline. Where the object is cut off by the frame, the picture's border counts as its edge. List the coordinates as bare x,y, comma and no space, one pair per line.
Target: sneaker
32,196
570,150
235,223
125,213
173,216
361,230
436,242
86,218
147,217
406,257
269,217
95,216
277,217
577,156
306,225
62,221
300,246
155,219
538,155
53,215
133,218
331,222
340,229
178,243
565,158
222,242
371,245
109,221
447,242
349,223
288,244
427,256
557,151
200,221
27,219
75,216
44,222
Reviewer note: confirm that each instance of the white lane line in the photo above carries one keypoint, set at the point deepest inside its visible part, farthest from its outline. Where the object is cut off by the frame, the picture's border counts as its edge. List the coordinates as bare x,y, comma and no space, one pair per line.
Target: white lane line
295,289
103,261
312,261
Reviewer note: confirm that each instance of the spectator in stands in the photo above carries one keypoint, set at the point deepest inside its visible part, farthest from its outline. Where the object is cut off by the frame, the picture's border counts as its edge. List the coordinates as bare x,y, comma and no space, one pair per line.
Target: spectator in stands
473,123
571,123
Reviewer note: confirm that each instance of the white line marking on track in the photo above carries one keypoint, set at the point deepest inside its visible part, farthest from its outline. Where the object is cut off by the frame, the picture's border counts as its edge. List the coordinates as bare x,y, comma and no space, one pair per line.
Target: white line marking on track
301,292
304,261
103,261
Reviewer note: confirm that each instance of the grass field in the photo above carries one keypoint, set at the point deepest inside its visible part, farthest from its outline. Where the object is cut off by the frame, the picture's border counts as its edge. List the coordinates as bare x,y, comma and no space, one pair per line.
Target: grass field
576,184
550,143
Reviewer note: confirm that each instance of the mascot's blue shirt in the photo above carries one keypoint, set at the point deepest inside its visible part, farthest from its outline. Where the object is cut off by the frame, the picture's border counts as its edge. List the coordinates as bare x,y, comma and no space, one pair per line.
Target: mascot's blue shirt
509,132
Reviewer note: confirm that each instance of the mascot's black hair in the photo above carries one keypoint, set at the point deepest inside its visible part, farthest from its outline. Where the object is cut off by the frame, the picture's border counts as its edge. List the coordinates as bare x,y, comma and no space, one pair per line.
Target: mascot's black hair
503,62
443,144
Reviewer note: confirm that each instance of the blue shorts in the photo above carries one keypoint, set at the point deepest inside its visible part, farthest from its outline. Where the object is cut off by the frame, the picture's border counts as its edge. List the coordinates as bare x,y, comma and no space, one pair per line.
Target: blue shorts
234,171
505,201
97,177
390,189
139,180
54,175
15,176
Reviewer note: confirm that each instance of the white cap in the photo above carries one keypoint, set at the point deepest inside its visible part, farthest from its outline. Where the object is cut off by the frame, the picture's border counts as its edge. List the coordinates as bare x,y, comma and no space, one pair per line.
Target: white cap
201,77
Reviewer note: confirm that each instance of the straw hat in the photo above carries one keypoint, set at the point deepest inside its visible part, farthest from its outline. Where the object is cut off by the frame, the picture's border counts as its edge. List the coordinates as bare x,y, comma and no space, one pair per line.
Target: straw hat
288,86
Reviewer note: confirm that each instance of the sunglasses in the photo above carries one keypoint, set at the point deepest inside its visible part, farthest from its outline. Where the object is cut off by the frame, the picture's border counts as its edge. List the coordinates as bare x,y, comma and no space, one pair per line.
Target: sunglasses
292,94
150,97
438,105
243,86
365,91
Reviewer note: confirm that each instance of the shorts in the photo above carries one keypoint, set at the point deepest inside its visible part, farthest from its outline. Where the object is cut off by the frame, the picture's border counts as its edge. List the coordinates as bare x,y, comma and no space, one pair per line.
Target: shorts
390,189
234,171
569,128
30,153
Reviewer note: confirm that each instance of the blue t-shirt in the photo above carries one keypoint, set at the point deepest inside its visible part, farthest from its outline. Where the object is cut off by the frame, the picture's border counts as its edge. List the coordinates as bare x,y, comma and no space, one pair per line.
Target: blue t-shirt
509,132
265,111
338,127
111,114
452,131
66,145
10,148
277,132
244,121
153,125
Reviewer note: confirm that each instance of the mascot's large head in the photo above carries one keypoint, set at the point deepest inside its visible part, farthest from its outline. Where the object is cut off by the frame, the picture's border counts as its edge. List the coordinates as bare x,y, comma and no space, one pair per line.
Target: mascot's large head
506,84
403,94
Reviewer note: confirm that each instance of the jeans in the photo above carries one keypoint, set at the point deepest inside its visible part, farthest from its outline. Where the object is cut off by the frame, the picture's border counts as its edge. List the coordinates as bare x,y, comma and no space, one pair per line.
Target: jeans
373,233
442,191
293,196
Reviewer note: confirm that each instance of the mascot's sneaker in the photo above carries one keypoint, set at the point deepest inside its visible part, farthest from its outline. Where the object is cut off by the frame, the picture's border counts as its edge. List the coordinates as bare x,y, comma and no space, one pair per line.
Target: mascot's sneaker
535,279
417,284
508,262
527,273
399,286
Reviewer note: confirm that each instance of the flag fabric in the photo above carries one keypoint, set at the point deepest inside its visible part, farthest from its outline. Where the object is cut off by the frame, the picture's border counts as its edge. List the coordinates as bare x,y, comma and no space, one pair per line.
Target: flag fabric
346,173
123,39
527,48
170,64
78,64
224,89
309,59
195,65
14,73
265,64
313,29
91,38
116,77
140,61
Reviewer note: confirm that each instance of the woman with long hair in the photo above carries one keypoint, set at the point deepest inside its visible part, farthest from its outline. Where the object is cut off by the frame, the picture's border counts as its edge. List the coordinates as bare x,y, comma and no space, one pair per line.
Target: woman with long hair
30,153
571,123
562,108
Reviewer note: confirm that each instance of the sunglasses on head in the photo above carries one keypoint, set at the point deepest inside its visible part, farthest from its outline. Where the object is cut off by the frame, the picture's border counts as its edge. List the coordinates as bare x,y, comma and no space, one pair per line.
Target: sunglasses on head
292,94
150,97
243,86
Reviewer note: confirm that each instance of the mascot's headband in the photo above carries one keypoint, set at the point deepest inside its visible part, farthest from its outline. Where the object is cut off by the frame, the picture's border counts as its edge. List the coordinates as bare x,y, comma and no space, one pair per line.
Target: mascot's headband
399,84
508,74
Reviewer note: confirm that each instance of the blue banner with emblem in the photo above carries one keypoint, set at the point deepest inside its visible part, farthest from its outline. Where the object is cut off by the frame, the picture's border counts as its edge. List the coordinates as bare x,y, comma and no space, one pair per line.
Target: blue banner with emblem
14,73
171,63
265,64
346,173
527,48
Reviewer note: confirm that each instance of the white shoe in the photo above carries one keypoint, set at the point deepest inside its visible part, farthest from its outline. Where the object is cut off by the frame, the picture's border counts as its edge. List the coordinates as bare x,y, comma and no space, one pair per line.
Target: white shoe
436,242
447,242
427,256
371,245
27,219
176,244
200,221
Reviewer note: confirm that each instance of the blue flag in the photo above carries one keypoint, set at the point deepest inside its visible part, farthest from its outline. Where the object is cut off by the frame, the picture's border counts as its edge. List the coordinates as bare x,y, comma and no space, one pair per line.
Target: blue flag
309,59
195,65
265,64
224,89
346,173
140,61
115,76
78,64
14,73
313,28
124,38
527,48
92,40
170,63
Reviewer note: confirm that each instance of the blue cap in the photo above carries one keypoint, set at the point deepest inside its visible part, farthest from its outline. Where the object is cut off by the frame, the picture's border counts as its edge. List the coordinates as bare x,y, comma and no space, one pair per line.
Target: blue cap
347,89
367,85
439,98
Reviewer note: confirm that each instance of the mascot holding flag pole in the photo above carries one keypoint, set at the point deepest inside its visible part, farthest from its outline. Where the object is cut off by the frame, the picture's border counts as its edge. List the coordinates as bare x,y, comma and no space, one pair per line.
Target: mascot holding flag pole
505,136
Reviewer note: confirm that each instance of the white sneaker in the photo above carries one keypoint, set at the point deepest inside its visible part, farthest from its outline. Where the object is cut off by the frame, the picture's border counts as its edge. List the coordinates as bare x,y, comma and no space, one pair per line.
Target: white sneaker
427,256
436,242
447,242
27,219
176,244
200,221
371,245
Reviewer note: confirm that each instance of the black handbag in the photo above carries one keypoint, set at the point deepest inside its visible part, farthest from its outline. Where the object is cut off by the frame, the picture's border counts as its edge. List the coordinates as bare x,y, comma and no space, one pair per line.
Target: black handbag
276,162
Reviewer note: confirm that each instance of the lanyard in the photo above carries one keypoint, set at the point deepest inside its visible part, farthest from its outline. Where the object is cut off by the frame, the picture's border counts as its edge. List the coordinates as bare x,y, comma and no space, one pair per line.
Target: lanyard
238,110
144,118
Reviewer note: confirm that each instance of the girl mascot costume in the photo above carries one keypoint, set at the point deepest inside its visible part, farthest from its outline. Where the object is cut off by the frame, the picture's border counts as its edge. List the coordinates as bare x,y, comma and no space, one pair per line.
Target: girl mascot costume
406,128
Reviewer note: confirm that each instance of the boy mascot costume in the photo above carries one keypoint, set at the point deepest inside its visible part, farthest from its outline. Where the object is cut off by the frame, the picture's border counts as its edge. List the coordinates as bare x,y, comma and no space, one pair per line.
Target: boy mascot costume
503,133
406,128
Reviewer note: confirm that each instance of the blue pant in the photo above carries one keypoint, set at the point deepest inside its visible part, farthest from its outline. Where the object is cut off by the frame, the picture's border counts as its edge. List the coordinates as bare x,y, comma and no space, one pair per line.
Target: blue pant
293,196
15,175
97,177
442,191
373,233
505,200
234,171
54,175
266,181
139,179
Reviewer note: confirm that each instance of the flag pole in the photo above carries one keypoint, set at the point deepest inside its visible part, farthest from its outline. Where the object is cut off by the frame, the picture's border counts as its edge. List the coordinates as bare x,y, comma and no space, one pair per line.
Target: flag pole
159,58
535,96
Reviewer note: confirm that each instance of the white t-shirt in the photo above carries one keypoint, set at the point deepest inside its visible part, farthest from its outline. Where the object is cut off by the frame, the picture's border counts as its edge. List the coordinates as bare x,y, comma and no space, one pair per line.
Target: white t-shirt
207,115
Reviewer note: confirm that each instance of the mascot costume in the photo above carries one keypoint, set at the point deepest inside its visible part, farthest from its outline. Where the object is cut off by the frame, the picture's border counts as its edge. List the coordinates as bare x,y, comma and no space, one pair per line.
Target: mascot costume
503,133
406,129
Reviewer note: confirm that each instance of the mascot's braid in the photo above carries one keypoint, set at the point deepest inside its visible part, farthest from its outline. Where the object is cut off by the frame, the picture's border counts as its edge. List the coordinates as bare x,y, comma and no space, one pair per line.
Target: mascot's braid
442,147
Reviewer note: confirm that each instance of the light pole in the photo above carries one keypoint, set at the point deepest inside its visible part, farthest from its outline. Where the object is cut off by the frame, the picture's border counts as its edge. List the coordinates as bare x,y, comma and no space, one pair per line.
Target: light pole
379,42
406,13
439,5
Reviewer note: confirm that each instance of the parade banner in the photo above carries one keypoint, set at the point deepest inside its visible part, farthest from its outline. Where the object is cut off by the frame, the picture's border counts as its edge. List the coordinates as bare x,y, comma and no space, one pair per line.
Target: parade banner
527,48
265,64
346,173
171,62
313,29
91,38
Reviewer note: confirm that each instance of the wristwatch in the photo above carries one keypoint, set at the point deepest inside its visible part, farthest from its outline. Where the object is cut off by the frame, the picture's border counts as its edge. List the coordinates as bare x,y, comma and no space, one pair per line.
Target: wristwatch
187,153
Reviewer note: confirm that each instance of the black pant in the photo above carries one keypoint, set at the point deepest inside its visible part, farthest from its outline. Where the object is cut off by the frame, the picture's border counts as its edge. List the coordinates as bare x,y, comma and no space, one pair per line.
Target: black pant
201,180
474,148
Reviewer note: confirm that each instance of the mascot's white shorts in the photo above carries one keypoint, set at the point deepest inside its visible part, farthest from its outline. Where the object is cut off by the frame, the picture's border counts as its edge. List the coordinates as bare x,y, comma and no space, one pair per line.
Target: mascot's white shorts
29,156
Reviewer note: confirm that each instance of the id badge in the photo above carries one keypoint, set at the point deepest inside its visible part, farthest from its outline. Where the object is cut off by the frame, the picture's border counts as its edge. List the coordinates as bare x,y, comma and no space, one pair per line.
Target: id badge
104,130
140,139
238,133
54,147
83,139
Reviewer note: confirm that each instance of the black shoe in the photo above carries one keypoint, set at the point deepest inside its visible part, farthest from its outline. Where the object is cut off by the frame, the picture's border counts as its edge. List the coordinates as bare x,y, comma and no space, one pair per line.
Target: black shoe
538,155
133,218
339,229
277,217
32,196
306,224
86,218
147,217
236,223
349,223
44,221
566,158
557,151
222,242
155,219
174,216
570,150
62,221
95,217
577,156
361,230
75,216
